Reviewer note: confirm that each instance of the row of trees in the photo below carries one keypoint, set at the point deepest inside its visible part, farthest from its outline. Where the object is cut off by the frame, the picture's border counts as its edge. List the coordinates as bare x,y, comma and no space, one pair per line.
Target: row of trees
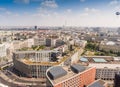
91,46
38,47
110,52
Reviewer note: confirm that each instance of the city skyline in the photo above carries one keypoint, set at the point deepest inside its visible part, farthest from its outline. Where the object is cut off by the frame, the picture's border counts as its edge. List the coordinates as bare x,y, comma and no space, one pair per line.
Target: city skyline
55,12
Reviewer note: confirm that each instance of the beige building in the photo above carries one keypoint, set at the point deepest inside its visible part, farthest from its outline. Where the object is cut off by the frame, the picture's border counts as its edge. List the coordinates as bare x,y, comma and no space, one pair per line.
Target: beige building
39,41
2,50
106,71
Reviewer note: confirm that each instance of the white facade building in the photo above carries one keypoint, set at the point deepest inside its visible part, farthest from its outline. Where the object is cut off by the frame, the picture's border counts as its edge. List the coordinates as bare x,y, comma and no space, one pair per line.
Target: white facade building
39,41
30,42
81,43
2,50
106,71
35,56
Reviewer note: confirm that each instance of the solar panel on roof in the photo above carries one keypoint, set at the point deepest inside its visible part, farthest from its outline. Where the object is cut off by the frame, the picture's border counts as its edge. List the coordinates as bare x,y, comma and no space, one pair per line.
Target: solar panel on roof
77,68
56,72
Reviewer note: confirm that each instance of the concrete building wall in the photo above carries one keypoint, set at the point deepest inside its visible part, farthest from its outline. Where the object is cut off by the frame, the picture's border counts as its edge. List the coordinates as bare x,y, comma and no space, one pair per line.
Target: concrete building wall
37,71
75,57
106,73
39,41
30,42
23,68
23,44
32,70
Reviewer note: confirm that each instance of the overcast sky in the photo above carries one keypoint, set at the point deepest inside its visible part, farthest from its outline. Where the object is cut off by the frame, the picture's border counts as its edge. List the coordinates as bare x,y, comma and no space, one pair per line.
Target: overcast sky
56,12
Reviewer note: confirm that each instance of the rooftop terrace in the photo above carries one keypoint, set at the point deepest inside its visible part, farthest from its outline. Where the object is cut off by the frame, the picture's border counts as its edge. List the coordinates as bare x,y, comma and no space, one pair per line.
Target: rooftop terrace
30,62
35,48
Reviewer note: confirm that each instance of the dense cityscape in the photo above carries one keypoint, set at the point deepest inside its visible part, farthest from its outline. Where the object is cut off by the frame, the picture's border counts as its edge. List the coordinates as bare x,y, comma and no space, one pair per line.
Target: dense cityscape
59,43
60,57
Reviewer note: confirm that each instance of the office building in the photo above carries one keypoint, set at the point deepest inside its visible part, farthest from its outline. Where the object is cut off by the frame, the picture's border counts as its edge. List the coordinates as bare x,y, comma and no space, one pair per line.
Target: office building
73,76
33,63
39,41
106,71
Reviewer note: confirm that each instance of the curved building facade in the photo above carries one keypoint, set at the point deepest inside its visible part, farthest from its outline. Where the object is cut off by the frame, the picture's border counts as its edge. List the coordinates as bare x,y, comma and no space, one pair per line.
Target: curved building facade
33,63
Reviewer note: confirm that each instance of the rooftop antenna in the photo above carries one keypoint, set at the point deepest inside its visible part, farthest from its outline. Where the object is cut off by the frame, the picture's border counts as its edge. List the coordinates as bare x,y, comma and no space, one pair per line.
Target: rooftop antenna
65,23
64,26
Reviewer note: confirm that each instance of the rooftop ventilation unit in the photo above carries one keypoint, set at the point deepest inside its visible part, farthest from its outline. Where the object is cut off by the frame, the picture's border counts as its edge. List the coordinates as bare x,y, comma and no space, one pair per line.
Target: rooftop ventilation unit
77,68
56,72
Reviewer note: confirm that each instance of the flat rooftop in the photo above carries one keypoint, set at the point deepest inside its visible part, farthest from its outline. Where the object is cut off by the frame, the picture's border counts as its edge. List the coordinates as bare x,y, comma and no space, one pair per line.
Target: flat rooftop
35,48
99,60
100,65
70,73
97,83
34,51
30,62
83,59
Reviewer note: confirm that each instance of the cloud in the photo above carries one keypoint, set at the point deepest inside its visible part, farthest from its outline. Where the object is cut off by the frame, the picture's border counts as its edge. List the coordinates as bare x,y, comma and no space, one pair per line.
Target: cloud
26,1
2,9
8,12
82,0
58,19
91,10
42,11
114,2
22,1
69,10
117,7
46,8
49,4
84,14
16,15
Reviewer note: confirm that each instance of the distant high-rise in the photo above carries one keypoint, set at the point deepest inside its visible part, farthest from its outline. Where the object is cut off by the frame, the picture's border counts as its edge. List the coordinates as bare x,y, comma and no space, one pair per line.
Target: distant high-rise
35,27
96,29
118,30
117,80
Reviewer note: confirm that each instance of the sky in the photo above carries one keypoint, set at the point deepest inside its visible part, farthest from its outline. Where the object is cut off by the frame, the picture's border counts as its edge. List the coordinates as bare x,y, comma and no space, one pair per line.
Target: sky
91,13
